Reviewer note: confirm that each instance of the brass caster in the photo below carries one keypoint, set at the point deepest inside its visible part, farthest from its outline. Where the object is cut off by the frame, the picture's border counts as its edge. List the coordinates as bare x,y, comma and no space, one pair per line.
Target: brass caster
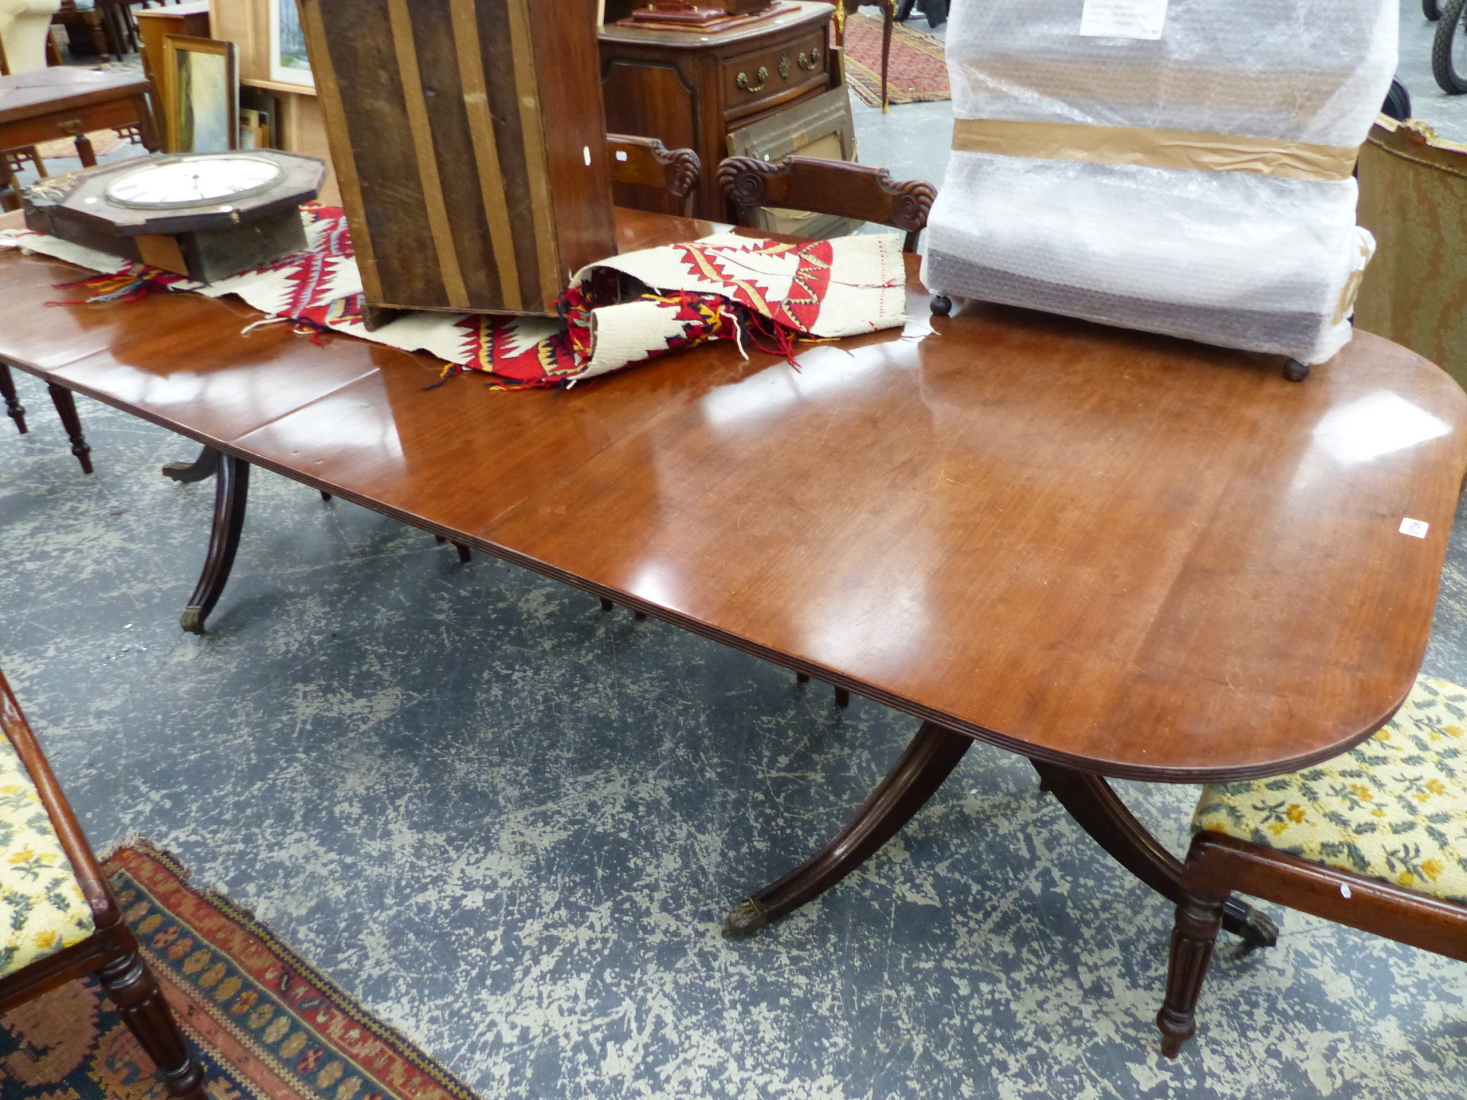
743,920
1256,930
192,619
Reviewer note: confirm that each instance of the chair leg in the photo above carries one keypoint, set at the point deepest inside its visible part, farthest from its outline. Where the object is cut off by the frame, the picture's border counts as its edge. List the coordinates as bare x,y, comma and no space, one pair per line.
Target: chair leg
1199,920
889,17
464,554
607,605
842,697
13,408
231,493
66,409
130,985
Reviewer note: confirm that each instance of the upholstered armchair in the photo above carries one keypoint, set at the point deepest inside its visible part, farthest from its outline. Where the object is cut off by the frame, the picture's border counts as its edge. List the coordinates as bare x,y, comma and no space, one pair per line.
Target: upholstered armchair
59,918
24,25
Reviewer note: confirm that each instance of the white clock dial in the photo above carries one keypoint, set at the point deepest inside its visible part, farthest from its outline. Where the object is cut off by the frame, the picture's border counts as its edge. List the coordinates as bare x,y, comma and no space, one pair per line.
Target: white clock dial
194,181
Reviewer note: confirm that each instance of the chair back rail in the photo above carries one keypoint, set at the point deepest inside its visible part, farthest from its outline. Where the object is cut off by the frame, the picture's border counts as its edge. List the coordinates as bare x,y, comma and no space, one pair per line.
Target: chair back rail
646,162
837,187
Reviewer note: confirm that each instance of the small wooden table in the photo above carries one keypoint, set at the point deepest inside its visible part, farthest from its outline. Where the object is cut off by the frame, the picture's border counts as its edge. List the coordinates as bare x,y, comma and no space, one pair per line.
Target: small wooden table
63,102
1116,553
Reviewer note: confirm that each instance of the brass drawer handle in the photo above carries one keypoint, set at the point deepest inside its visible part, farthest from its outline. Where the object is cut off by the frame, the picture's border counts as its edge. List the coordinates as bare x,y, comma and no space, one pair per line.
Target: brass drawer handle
784,67
812,62
762,75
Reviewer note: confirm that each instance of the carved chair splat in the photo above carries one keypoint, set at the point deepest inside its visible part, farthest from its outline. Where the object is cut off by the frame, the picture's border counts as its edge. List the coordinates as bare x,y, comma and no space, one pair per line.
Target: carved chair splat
835,187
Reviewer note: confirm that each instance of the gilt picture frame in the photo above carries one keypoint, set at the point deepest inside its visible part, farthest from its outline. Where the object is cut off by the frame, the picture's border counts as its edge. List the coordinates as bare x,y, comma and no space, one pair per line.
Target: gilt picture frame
202,78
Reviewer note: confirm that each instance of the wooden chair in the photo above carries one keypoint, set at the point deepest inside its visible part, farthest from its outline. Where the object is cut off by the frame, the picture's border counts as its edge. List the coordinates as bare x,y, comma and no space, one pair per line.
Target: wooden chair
1375,838
646,162
62,920
827,187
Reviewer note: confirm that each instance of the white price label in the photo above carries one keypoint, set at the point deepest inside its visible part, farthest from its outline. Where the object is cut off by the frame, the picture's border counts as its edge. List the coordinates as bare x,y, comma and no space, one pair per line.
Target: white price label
1123,18
1415,527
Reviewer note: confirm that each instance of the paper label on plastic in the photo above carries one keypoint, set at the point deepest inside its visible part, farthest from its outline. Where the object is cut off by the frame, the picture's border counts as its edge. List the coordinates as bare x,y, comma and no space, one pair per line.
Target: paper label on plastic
1123,18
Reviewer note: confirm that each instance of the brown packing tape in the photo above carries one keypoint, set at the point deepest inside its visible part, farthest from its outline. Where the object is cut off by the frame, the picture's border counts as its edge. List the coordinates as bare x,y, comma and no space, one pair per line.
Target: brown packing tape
1153,148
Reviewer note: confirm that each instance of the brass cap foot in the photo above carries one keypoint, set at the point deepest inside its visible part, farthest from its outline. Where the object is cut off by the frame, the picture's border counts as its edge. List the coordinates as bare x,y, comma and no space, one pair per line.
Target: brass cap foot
743,920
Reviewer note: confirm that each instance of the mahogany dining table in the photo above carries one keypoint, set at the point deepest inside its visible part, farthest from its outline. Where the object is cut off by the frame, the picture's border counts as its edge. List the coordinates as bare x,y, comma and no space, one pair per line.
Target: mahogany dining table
1119,554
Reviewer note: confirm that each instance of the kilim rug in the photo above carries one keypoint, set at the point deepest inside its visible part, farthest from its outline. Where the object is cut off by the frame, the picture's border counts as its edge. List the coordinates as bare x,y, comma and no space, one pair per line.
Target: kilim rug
917,72
268,1026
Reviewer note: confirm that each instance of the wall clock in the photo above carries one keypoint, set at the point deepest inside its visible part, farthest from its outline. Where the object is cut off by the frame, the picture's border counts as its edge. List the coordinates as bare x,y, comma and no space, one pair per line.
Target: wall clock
203,215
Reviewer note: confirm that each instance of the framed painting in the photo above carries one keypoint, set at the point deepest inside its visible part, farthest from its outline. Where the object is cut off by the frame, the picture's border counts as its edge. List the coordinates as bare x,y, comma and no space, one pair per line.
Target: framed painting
202,76
288,61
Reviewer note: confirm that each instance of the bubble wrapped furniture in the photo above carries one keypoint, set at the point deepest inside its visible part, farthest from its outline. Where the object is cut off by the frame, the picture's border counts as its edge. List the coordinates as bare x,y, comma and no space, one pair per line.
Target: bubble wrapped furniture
1375,838
1197,183
58,917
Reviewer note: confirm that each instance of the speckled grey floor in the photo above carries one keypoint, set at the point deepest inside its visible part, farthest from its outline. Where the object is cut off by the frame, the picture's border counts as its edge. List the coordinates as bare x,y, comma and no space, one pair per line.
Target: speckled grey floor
512,824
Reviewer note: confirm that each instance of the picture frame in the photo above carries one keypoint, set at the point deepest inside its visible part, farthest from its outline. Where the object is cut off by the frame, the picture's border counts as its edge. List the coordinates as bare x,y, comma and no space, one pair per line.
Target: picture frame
288,61
202,80
821,127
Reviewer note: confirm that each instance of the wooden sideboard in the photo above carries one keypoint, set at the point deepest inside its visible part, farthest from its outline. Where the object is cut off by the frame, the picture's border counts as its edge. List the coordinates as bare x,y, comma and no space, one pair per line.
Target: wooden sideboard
689,89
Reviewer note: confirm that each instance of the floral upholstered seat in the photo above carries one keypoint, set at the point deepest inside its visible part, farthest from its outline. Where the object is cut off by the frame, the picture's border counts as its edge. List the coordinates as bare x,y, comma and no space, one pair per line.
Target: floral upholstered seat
1393,808
42,909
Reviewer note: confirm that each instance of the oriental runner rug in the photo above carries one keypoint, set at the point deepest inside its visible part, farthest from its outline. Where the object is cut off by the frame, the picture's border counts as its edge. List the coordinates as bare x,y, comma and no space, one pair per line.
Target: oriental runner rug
267,1025
917,72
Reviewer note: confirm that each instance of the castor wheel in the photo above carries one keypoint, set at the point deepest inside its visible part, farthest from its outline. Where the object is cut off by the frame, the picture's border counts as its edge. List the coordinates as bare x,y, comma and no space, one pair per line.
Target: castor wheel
1296,371
942,305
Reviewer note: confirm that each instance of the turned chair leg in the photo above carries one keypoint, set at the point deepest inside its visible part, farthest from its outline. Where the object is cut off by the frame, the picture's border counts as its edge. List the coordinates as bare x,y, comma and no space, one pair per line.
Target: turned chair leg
1199,920
13,408
66,409
130,985
842,695
465,555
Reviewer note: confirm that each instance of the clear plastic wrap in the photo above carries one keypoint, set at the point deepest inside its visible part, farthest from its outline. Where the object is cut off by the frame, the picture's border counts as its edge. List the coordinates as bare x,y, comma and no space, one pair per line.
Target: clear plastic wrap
1246,260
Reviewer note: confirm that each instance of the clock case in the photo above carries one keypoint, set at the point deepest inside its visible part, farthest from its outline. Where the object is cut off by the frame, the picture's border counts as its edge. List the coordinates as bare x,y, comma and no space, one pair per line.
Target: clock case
205,241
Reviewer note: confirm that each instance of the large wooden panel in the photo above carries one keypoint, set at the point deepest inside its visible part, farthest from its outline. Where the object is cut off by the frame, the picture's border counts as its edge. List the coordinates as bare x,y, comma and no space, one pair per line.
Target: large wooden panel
469,145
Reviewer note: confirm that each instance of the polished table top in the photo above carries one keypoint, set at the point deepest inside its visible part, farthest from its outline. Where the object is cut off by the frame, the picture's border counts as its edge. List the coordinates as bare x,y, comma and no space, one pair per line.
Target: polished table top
1122,552
42,91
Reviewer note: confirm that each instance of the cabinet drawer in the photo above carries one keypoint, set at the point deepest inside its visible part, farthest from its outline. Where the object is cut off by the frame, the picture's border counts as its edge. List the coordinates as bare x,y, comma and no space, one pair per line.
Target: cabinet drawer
786,71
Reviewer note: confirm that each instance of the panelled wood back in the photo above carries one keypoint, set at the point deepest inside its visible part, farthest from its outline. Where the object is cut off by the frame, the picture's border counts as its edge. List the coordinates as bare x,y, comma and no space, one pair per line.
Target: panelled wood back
470,146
